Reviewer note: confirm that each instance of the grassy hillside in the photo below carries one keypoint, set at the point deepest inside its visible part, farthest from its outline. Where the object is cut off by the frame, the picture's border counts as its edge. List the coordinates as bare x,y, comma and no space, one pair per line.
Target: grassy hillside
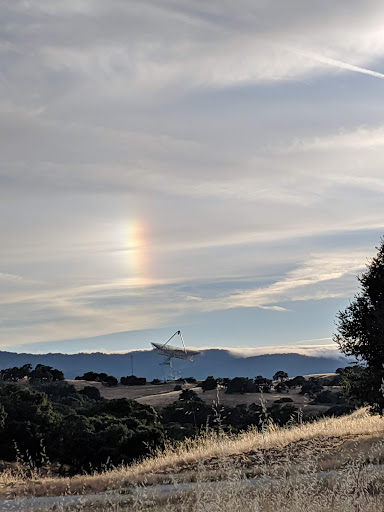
162,395
331,464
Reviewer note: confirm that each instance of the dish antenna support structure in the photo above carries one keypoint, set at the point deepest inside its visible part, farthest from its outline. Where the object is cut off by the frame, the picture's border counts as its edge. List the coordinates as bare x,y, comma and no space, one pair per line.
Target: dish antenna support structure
171,352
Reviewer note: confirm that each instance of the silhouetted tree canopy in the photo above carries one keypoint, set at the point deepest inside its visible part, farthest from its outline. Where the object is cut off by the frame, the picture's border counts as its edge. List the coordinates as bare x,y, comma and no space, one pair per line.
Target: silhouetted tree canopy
262,384
311,387
78,432
43,373
91,392
360,333
280,375
295,382
281,387
107,380
14,374
132,380
241,385
209,383
188,395
30,419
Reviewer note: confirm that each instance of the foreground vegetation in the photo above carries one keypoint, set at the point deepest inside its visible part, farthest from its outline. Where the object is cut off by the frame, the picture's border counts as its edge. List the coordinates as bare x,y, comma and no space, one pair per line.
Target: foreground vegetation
255,457
47,422
331,464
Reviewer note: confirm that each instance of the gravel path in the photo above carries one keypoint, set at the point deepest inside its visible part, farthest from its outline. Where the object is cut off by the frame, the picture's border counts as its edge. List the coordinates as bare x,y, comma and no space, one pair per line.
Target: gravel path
58,503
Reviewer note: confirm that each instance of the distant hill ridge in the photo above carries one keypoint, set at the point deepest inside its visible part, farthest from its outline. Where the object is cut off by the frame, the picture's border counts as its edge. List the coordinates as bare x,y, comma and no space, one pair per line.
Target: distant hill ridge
216,362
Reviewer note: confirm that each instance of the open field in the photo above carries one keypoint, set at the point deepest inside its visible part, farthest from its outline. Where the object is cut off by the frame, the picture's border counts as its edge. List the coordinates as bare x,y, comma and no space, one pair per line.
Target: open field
334,463
130,392
299,401
161,395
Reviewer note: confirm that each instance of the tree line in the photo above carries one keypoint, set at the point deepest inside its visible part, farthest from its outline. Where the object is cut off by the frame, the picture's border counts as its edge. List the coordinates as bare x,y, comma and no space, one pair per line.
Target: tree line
46,418
75,430
41,373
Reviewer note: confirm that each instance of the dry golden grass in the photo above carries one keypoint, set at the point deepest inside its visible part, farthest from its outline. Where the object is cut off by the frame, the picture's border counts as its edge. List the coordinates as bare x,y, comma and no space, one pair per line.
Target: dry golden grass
291,486
356,489
360,423
252,450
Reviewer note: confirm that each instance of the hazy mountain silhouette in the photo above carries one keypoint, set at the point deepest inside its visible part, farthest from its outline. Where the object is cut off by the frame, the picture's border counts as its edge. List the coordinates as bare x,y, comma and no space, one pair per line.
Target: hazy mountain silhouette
216,362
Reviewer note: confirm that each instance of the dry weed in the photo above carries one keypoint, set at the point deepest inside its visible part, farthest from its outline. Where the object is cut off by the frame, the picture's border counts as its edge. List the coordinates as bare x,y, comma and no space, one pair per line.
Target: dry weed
277,450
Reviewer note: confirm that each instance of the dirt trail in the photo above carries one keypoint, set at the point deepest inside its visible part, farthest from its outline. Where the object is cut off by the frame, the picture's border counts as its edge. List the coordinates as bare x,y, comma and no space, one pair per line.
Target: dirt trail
324,453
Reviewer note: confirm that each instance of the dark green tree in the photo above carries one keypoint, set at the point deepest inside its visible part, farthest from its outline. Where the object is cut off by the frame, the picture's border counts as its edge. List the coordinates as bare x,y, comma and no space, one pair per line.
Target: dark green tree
190,411
281,387
281,414
244,416
360,333
295,382
43,373
109,431
263,385
209,383
91,392
188,395
90,376
14,374
311,387
110,381
280,375
132,380
241,385
29,421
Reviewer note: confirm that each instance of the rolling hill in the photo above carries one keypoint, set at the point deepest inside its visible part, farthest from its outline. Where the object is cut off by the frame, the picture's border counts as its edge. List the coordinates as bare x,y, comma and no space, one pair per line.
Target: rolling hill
216,362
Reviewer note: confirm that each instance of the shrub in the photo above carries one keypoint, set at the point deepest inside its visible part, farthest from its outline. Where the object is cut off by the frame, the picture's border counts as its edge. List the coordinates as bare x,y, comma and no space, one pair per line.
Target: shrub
311,387
209,383
91,392
188,395
283,400
30,418
109,381
329,397
132,380
280,387
262,385
241,385
295,382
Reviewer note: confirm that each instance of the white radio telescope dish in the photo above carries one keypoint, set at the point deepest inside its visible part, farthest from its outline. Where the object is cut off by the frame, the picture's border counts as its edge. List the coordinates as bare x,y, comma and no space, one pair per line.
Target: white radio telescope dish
172,352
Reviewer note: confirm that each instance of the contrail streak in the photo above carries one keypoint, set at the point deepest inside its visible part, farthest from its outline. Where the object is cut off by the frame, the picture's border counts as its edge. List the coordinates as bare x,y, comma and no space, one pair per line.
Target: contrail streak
342,65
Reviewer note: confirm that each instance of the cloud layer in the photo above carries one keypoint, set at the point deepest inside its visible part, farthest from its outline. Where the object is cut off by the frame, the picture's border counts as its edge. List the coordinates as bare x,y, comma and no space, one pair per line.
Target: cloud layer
175,163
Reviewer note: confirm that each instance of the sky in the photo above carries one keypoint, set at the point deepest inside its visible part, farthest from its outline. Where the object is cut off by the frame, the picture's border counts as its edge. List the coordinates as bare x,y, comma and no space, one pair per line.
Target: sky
214,167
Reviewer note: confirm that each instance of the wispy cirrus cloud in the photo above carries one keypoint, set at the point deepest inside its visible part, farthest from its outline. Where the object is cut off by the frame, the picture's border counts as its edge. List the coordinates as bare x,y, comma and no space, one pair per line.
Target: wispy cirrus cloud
321,276
102,308
245,138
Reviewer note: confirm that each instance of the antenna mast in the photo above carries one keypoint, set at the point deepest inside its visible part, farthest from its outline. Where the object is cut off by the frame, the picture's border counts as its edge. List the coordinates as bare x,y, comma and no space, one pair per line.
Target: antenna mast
171,352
